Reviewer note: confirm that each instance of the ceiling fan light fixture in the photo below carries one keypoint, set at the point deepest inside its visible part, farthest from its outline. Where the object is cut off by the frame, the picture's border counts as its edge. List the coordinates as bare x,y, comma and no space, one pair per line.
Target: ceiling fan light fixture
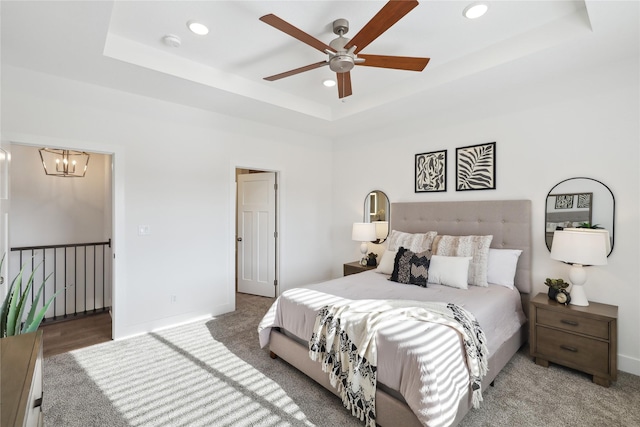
329,83
343,53
341,63
198,28
475,10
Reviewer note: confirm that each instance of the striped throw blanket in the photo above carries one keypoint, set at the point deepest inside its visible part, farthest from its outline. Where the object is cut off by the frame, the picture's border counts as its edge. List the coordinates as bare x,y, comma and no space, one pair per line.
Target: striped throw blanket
344,342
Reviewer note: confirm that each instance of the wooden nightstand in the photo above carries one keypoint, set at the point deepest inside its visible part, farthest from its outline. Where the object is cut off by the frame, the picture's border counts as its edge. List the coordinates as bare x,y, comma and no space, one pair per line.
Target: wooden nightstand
582,338
355,267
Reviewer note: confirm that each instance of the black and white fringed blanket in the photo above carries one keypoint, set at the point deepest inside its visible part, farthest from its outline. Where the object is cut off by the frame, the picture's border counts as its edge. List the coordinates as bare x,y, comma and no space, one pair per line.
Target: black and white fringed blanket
343,340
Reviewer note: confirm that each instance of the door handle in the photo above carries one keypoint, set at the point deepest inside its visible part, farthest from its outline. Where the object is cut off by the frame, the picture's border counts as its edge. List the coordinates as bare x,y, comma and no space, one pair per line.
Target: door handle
239,239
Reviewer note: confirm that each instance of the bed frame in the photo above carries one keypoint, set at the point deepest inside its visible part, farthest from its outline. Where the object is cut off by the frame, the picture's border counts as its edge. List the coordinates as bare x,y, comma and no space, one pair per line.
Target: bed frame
509,221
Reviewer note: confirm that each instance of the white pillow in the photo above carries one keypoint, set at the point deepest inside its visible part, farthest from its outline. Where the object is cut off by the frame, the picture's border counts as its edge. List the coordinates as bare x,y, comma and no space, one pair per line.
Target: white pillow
449,270
415,242
385,266
476,247
501,268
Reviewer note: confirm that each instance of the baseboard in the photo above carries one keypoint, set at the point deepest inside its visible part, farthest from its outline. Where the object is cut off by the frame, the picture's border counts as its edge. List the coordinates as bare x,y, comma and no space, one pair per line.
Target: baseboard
159,325
629,364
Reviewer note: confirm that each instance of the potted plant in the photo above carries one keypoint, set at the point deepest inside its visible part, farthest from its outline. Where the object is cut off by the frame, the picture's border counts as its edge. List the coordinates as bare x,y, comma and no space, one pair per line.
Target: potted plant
587,225
371,259
555,286
14,305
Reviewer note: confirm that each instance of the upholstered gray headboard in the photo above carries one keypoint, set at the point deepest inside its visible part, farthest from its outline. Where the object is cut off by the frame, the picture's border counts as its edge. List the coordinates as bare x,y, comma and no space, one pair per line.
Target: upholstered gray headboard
509,221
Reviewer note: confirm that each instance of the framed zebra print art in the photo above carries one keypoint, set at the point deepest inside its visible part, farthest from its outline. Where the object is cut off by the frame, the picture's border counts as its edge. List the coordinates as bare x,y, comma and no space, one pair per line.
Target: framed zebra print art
476,167
431,172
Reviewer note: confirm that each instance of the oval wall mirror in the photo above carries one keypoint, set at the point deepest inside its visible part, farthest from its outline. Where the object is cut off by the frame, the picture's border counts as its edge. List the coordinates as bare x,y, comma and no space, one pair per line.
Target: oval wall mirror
376,210
579,202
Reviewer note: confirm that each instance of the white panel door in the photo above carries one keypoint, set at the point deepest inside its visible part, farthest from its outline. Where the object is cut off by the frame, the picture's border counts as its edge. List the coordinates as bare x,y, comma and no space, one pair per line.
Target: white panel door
5,157
256,238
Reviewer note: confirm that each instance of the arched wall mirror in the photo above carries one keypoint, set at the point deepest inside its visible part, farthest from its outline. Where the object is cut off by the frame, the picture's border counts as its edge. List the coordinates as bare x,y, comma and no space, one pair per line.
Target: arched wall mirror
377,210
579,202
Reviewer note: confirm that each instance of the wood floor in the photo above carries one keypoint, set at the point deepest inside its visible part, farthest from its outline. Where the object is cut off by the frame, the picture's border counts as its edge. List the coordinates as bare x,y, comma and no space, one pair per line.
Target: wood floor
61,337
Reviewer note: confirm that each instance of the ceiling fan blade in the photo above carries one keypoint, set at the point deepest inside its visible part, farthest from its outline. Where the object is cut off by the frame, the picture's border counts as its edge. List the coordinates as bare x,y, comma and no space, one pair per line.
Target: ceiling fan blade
297,71
344,84
294,32
390,13
395,62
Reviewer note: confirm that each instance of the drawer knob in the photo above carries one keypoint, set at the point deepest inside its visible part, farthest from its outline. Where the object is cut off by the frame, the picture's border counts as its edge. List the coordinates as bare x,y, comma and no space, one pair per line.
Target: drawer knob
571,349
569,322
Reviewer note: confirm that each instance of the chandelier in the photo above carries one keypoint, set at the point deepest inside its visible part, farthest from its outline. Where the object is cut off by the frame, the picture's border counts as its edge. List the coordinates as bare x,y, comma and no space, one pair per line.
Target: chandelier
64,163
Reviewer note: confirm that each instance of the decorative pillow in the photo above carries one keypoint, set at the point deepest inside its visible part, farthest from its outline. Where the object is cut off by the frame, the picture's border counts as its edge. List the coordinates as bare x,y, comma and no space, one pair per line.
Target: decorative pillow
476,247
419,266
386,262
449,271
410,267
501,268
401,267
418,242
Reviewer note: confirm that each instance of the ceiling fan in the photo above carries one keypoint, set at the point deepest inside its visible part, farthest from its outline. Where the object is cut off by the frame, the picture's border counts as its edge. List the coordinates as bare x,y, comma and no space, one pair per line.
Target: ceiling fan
343,52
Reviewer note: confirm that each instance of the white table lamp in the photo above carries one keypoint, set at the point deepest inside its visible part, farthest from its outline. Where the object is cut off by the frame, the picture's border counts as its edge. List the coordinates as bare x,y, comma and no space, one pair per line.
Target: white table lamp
363,232
580,247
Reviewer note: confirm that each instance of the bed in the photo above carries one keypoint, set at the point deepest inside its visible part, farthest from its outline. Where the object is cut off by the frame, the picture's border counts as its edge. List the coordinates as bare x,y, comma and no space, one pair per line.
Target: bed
508,221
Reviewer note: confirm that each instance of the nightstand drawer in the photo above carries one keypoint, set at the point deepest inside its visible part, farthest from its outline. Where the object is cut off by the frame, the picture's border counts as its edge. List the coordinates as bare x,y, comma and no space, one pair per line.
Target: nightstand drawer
574,323
588,354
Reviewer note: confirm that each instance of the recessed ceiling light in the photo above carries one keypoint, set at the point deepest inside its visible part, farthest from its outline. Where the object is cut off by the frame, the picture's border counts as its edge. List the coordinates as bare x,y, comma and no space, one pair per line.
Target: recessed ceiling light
475,10
329,83
198,28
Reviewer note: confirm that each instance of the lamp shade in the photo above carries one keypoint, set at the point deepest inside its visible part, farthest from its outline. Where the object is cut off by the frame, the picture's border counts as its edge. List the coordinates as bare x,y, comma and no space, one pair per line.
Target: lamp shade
580,246
363,231
604,233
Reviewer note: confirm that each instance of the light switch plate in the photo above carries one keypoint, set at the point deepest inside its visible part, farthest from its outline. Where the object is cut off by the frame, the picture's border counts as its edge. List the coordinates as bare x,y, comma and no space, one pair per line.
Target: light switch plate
144,230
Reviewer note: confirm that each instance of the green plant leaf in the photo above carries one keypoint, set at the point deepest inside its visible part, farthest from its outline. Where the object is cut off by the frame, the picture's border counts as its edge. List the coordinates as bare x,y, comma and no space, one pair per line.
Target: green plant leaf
13,304
35,302
23,301
21,306
37,319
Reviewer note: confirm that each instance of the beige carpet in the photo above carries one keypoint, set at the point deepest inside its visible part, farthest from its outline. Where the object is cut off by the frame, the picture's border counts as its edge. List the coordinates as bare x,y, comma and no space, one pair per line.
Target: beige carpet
214,374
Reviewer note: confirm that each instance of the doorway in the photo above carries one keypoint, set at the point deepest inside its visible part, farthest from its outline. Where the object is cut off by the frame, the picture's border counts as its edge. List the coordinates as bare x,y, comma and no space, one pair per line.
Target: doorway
63,227
256,232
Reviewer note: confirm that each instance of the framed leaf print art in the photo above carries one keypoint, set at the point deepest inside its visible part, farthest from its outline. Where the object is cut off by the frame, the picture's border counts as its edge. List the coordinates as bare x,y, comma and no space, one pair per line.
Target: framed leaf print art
476,167
431,172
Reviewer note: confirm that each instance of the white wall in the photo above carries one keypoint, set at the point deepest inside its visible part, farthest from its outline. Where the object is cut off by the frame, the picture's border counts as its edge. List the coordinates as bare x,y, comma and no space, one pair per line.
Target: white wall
174,171
573,125
49,210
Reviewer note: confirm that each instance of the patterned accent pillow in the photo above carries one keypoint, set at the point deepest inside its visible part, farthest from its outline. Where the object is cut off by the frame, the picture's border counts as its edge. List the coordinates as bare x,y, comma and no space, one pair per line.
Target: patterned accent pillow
415,242
476,247
400,272
420,268
411,268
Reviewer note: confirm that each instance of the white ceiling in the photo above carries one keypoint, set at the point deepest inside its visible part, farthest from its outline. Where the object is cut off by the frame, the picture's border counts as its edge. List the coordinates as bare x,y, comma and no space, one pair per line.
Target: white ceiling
119,45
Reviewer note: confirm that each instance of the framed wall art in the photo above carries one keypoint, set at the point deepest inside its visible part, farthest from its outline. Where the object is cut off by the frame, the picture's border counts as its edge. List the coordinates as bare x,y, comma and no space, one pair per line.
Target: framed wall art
584,201
431,172
476,167
564,201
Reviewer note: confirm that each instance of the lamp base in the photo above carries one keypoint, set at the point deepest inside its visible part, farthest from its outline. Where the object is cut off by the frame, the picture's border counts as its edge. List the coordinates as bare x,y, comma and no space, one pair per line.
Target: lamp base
578,296
578,277
364,247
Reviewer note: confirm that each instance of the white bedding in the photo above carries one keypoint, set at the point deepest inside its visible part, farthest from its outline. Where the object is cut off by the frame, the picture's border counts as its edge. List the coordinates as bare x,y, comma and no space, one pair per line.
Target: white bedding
422,361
